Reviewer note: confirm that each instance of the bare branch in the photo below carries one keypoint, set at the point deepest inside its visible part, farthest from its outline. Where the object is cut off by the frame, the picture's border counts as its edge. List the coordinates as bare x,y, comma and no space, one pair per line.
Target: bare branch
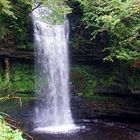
37,6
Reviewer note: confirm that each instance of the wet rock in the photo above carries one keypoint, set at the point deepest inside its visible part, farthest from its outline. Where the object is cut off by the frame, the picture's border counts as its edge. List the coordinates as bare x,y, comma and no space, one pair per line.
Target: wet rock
115,108
112,89
79,107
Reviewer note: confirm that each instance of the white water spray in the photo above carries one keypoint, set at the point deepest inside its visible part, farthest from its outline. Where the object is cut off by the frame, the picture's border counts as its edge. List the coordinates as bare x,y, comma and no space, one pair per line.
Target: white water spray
52,113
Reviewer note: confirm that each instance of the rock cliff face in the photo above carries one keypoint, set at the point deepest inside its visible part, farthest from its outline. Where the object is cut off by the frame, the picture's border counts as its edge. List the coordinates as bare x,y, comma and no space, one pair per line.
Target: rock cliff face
83,48
105,78
105,106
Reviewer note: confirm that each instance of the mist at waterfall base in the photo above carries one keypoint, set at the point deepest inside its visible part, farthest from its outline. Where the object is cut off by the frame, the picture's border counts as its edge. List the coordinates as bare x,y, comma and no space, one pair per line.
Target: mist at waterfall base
52,112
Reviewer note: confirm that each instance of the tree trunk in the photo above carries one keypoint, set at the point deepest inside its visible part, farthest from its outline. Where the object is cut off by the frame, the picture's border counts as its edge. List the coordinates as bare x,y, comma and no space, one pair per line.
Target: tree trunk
6,68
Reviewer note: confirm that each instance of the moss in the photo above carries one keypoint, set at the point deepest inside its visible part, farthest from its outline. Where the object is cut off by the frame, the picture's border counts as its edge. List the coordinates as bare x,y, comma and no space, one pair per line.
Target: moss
87,79
83,80
21,79
133,79
101,98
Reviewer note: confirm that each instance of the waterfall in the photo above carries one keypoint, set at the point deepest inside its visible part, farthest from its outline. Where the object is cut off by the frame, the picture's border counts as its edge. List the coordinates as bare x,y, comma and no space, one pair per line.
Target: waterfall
52,112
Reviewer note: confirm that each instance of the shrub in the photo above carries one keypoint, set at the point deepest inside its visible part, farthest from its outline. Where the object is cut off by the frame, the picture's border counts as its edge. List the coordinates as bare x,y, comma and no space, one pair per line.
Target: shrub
120,18
7,133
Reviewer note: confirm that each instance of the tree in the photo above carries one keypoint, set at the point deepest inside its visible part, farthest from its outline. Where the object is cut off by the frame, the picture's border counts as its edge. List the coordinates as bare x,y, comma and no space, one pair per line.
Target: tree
5,12
58,9
14,17
121,19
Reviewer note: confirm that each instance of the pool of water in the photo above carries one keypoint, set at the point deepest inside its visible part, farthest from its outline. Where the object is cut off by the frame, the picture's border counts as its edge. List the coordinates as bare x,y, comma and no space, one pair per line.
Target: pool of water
93,129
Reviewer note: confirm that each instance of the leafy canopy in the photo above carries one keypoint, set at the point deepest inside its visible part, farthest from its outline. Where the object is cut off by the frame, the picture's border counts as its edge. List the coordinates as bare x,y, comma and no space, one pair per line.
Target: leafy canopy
59,9
5,11
121,19
14,17
5,7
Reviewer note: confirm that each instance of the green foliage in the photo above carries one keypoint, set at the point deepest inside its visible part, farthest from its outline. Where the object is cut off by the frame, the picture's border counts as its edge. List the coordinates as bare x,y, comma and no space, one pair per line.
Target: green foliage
59,9
7,133
22,77
88,78
133,79
21,80
120,18
14,16
5,7
5,11
107,78
19,26
6,87
83,80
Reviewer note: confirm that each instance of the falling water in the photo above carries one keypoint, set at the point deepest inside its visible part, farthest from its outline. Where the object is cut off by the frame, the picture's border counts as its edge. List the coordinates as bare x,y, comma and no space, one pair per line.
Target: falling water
52,113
